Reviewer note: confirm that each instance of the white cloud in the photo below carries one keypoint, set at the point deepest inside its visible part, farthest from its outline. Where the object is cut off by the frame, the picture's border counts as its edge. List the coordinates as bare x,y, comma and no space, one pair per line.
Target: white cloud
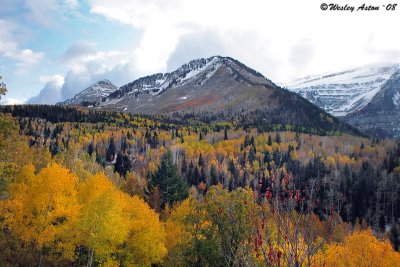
86,65
51,93
91,68
268,35
49,13
78,52
10,101
9,48
73,4
282,39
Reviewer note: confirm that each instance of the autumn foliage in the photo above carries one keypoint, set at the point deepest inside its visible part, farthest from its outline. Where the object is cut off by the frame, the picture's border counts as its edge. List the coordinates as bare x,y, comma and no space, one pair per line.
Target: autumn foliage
127,190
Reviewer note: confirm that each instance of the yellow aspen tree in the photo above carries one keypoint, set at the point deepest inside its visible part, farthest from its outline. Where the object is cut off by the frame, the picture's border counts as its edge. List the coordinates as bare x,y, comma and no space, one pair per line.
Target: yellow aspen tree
360,249
43,209
145,244
103,224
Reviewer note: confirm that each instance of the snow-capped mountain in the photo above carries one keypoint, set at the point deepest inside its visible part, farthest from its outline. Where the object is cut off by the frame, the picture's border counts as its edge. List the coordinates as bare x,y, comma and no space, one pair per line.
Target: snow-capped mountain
196,86
219,87
93,94
200,70
381,116
344,92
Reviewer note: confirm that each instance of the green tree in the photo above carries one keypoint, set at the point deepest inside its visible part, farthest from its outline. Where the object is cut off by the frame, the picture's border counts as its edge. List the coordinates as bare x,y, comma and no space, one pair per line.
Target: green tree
110,153
213,175
122,164
169,182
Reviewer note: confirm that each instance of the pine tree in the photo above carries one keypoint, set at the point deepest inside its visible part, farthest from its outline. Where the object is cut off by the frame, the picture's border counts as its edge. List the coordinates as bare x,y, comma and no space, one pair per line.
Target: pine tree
122,164
196,176
203,175
110,153
213,175
169,182
201,161
246,140
252,155
184,166
278,138
190,174
124,145
90,148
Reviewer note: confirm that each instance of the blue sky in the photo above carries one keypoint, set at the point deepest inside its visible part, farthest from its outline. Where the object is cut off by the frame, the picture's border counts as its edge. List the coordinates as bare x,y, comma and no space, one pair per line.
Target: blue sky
52,49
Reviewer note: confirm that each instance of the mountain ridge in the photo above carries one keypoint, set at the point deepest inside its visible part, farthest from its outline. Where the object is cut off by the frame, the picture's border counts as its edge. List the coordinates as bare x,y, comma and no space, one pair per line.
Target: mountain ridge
220,88
91,95
381,116
344,92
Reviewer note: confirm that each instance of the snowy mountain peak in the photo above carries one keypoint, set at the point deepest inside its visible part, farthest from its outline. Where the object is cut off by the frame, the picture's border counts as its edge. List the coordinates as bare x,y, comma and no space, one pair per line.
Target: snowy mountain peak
344,92
197,71
92,94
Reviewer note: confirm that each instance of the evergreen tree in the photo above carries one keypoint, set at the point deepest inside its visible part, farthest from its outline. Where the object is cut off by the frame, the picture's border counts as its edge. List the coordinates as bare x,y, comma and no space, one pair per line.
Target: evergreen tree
196,176
246,140
190,174
252,155
90,148
201,161
267,157
169,182
278,138
203,175
122,164
184,166
110,153
225,134
124,145
213,175
99,159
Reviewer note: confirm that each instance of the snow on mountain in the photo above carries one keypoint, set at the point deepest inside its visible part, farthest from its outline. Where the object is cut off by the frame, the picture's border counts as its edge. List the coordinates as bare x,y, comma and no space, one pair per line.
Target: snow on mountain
93,94
200,69
219,88
344,92
381,116
396,100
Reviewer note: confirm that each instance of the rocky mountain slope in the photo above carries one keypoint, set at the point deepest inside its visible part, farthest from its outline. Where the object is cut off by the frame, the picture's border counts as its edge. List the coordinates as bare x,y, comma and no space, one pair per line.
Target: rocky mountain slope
344,92
381,116
93,94
219,88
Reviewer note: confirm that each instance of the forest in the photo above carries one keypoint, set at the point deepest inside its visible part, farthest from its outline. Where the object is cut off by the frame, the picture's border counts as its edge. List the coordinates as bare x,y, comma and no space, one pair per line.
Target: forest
80,187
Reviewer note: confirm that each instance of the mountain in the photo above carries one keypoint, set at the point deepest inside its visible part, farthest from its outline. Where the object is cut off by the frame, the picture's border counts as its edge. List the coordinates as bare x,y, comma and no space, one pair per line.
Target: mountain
220,88
200,85
344,92
381,116
93,94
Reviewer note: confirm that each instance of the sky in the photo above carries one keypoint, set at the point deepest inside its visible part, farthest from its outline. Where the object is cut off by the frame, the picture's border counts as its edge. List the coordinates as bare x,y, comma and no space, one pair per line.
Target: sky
52,49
